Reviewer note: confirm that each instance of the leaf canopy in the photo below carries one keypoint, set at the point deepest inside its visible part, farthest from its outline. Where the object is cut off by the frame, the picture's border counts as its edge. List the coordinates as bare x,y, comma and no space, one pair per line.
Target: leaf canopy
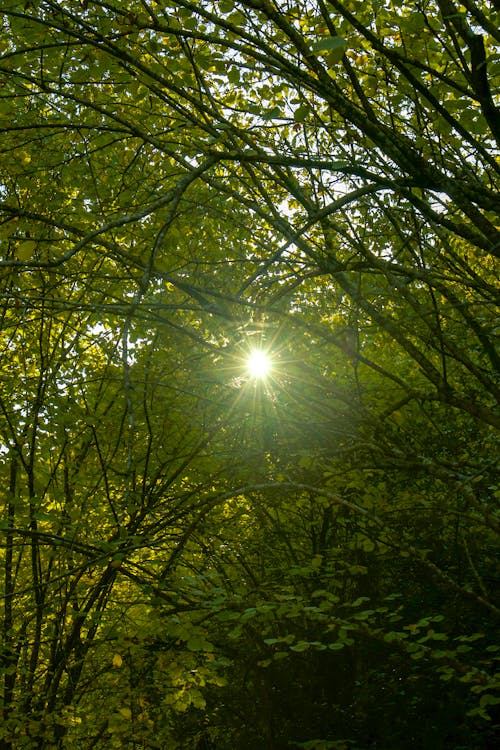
183,182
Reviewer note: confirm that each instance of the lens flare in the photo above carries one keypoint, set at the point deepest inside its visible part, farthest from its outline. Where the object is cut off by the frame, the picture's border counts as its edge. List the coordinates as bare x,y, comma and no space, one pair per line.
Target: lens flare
258,364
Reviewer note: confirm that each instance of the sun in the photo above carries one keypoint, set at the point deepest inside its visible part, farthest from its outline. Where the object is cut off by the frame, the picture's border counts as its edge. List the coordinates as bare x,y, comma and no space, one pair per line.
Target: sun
259,364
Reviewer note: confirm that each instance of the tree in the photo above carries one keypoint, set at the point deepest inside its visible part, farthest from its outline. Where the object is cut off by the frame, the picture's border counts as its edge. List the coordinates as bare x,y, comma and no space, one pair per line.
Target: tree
181,181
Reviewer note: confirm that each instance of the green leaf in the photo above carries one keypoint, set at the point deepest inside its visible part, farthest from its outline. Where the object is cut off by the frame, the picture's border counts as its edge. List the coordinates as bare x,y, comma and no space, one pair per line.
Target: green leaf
300,646
359,601
199,644
272,114
331,47
365,615
329,44
439,636
25,250
489,700
301,113
226,6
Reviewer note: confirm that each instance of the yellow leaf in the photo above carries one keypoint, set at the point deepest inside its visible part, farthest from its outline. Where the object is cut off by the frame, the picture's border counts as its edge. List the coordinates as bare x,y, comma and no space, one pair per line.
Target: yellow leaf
126,713
117,660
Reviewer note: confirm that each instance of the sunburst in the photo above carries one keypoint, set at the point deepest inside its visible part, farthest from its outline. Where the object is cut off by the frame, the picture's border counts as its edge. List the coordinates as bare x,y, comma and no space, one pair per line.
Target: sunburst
259,364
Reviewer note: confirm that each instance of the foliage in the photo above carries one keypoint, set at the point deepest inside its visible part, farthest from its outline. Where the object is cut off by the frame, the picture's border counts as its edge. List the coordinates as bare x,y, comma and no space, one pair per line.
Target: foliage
193,559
